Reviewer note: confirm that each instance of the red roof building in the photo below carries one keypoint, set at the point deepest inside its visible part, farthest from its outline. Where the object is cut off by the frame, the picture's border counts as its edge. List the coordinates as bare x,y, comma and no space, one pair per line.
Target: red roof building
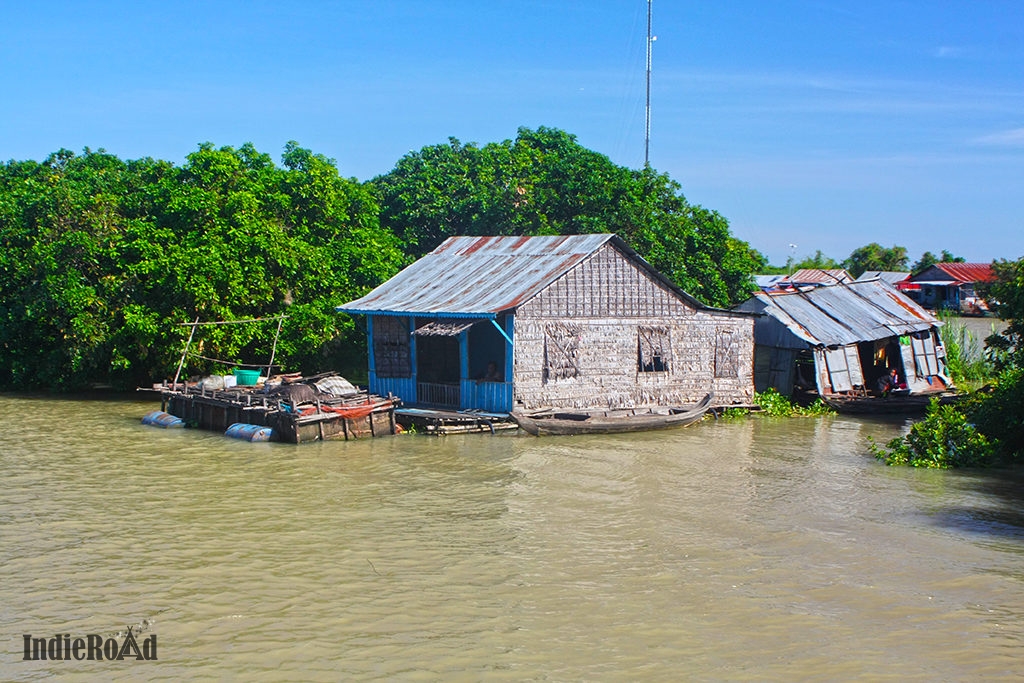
950,286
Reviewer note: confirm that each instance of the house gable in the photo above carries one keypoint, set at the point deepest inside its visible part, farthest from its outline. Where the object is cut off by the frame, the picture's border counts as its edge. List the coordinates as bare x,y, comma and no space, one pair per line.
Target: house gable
606,285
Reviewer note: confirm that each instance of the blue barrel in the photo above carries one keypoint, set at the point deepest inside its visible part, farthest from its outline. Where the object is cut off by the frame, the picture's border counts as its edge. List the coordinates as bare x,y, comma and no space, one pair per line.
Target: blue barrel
159,418
247,432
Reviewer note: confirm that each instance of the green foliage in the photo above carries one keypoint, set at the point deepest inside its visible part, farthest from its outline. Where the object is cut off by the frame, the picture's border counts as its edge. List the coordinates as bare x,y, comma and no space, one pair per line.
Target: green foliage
774,404
876,257
985,429
1006,296
998,412
928,259
944,440
545,183
965,357
103,258
988,427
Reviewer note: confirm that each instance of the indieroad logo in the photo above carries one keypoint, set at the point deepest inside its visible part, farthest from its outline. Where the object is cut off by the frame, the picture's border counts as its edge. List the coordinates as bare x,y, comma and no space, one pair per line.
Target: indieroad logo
63,647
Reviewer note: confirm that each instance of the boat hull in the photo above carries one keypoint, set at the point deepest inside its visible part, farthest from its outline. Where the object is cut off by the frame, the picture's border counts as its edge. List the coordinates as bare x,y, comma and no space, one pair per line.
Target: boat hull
915,404
569,424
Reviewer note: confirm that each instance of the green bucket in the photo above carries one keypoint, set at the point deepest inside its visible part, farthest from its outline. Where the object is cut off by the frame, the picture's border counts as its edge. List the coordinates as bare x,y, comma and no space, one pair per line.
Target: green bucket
247,378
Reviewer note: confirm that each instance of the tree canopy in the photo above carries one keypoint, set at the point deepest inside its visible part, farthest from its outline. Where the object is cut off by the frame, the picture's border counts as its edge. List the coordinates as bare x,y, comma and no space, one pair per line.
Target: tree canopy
876,257
929,259
103,256
544,182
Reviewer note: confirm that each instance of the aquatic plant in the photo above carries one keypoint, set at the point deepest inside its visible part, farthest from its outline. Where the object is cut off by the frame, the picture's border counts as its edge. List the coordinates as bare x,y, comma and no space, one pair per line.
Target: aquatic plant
943,440
965,356
774,404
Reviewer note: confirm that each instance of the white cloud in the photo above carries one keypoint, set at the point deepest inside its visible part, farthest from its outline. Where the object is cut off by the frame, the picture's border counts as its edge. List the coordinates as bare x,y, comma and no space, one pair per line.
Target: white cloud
948,52
1004,138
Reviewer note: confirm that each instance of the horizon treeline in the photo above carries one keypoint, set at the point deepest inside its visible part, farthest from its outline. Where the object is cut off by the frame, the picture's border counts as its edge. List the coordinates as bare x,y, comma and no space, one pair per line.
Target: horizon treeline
104,259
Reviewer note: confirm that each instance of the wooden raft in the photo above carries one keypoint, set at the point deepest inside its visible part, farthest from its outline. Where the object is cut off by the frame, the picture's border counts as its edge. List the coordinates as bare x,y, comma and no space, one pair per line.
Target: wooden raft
347,417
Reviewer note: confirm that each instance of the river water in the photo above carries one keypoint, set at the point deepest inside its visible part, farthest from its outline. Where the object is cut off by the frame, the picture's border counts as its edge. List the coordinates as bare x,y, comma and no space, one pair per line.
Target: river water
752,550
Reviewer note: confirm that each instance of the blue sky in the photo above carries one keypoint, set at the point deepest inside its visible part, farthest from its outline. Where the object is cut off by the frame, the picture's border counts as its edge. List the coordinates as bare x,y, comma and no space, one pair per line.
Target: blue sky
825,125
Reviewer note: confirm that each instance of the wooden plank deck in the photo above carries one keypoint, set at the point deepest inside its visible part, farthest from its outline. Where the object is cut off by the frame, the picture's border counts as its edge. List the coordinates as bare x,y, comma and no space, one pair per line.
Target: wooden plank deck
442,422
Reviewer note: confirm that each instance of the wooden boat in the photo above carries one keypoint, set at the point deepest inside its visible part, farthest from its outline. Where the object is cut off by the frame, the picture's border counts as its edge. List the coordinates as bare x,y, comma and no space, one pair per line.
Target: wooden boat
893,404
551,421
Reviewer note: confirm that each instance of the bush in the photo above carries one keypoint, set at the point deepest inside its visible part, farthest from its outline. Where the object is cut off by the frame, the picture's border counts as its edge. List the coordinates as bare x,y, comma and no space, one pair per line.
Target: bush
998,412
774,404
943,440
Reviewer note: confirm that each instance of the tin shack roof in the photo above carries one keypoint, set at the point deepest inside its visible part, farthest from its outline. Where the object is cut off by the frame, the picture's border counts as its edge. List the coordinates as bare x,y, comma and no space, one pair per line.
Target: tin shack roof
817,277
890,276
955,273
483,276
843,314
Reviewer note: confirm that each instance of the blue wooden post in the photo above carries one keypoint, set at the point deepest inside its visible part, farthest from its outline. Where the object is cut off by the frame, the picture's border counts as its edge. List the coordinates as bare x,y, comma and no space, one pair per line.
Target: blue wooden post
410,325
371,374
510,351
466,394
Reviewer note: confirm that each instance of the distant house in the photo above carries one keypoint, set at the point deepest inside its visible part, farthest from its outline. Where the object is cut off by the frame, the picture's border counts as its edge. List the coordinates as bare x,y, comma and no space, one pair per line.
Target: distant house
495,323
842,338
950,286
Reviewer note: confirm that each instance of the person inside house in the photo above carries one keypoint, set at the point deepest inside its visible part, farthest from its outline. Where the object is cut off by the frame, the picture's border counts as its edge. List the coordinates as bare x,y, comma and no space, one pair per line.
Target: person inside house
493,375
889,383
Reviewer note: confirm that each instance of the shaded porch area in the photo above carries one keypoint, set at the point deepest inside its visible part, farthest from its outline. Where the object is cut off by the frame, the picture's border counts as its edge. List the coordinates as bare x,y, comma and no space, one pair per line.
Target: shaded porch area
460,364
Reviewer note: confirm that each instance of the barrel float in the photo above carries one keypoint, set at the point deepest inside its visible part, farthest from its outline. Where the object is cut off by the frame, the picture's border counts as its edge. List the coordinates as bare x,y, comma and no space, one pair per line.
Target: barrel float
159,418
248,432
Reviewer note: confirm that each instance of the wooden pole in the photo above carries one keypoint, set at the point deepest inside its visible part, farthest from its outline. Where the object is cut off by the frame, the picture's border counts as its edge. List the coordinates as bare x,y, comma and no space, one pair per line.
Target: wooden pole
184,353
273,351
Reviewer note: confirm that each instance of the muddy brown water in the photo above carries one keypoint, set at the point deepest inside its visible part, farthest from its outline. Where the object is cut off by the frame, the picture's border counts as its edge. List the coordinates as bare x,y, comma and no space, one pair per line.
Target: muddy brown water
756,549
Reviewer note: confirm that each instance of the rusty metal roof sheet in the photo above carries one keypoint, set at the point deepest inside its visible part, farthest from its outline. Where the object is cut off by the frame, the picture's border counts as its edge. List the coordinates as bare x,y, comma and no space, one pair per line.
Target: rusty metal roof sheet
482,276
844,314
956,272
890,276
818,276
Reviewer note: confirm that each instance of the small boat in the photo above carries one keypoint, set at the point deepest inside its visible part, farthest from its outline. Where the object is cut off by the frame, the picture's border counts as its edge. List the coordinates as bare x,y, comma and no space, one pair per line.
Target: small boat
554,422
894,404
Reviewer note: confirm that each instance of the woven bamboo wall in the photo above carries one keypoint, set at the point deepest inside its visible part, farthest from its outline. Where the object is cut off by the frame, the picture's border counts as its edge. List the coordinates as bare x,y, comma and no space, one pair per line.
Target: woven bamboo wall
579,342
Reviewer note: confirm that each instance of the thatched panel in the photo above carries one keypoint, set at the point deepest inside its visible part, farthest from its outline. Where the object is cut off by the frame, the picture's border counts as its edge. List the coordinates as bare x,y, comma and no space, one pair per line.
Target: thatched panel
606,285
609,356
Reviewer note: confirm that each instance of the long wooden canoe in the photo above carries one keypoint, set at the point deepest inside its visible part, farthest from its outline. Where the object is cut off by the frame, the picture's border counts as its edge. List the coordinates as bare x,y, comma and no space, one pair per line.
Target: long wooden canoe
555,422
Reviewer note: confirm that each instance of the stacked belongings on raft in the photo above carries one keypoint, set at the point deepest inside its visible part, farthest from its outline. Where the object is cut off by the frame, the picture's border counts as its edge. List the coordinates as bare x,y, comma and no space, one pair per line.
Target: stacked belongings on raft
296,409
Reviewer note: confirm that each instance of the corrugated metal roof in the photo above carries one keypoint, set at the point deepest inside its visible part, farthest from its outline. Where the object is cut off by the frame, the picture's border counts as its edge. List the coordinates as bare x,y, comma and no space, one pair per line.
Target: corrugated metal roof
890,276
969,272
844,314
819,276
958,272
767,281
482,276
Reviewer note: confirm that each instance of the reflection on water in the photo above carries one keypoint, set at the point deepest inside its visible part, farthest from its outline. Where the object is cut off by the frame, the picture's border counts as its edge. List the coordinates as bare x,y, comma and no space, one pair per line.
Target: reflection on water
748,550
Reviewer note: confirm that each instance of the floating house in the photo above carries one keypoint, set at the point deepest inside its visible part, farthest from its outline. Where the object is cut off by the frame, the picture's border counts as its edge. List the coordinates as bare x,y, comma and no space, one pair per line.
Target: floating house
843,338
498,323
950,286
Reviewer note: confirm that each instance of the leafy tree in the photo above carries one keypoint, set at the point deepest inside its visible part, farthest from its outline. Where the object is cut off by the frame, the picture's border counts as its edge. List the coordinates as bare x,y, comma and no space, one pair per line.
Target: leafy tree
544,182
103,257
1006,298
928,259
876,257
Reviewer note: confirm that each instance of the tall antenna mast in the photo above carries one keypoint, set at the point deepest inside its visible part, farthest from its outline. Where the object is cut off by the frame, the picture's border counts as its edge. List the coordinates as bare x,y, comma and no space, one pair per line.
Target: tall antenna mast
647,123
